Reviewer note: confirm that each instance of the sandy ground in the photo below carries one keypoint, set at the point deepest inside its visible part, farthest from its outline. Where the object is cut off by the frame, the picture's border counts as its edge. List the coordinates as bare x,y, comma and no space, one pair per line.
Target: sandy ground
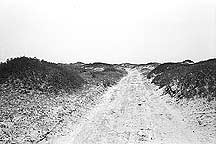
131,113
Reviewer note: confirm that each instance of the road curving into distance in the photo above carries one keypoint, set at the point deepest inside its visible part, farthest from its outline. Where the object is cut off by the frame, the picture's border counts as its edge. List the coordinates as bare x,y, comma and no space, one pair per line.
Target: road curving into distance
131,112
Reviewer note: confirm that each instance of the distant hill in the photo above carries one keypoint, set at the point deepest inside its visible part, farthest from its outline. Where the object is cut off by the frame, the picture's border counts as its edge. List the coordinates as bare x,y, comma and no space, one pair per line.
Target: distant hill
98,73
187,80
99,64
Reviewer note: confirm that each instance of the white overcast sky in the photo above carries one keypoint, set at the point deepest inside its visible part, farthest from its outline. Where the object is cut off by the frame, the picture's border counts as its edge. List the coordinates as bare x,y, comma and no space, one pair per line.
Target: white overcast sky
113,31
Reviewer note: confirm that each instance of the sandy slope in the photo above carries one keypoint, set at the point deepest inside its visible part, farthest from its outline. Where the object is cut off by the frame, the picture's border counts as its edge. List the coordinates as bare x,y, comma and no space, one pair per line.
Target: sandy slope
131,112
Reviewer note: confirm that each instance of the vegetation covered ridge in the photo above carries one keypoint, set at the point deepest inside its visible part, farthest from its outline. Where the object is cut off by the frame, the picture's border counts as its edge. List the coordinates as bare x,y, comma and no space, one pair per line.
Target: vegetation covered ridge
25,74
187,79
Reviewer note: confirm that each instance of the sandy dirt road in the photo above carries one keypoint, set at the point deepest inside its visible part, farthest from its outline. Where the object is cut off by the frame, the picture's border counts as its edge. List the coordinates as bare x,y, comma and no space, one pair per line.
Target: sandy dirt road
131,113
